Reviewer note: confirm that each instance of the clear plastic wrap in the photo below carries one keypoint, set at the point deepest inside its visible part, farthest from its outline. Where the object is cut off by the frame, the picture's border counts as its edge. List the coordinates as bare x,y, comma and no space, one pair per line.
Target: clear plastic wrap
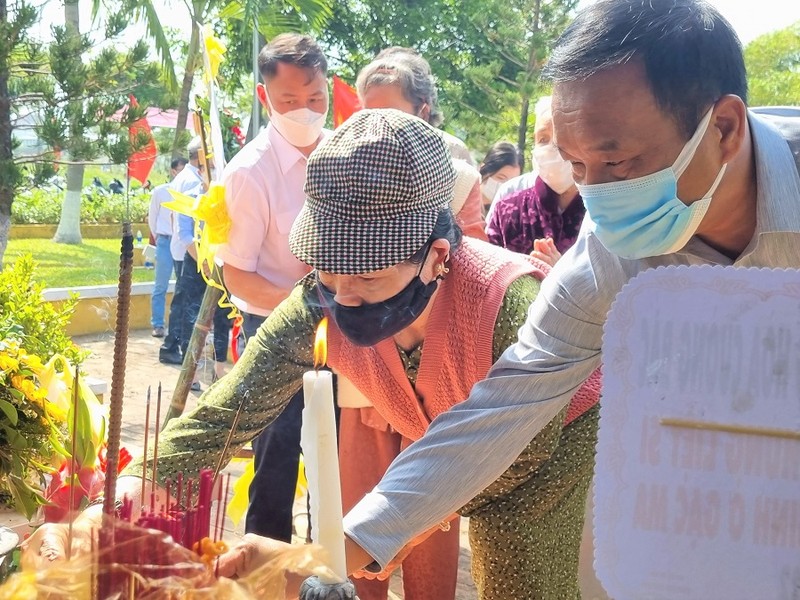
147,564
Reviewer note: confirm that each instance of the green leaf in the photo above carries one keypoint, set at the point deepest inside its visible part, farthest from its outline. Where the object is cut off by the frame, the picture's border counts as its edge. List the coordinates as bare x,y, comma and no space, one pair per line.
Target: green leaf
26,498
14,439
9,411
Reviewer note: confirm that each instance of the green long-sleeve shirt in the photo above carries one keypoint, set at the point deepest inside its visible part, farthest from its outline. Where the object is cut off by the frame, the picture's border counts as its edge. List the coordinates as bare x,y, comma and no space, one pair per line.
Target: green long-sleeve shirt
270,372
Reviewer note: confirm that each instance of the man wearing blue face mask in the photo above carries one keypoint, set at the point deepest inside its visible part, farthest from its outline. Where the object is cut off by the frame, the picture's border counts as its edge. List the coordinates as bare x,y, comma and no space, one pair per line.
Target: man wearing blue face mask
649,105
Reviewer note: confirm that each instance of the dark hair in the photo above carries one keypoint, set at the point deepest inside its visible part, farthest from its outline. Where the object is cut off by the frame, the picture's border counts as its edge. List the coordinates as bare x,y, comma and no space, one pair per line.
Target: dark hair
405,68
178,162
293,49
501,154
691,54
445,228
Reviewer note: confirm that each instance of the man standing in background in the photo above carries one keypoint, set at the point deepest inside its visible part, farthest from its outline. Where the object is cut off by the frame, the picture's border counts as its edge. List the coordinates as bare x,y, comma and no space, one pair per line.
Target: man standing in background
264,193
160,221
190,182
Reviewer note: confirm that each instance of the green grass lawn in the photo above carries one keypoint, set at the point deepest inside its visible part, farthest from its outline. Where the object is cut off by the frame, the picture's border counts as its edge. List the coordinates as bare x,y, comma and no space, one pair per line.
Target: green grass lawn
94,262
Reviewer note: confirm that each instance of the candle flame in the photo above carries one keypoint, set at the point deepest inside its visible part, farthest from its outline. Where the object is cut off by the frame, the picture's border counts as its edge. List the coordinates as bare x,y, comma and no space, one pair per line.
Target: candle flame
321,344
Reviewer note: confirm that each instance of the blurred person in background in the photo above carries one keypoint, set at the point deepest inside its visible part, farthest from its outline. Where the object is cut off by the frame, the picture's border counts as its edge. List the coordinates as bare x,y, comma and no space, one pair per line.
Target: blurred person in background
190,182
400,78
501,163
543,220
160,221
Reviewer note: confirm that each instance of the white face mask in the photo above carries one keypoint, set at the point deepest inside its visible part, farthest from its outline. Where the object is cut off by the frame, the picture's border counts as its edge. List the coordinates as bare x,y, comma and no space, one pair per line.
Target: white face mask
554,170
489,188
300,127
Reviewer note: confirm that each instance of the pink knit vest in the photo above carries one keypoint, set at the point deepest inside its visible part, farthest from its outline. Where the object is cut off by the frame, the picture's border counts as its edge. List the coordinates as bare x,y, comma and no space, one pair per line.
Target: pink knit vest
457,352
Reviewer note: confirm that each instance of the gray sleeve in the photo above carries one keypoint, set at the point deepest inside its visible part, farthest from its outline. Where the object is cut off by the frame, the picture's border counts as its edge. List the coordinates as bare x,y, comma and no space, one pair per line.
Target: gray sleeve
466,448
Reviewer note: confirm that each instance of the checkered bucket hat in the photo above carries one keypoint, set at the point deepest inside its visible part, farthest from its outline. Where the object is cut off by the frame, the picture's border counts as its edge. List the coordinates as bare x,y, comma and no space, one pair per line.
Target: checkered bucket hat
374,190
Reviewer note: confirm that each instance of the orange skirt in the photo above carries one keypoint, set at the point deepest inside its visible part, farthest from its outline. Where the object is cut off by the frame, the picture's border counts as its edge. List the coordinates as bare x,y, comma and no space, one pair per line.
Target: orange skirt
367,446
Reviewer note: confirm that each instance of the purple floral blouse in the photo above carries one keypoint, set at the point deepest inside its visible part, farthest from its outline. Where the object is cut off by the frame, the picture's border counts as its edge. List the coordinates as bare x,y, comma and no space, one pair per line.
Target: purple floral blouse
531,214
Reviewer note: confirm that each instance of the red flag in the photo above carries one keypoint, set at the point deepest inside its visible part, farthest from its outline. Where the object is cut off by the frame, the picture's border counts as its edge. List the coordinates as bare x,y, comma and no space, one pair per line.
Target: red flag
141,162
345,101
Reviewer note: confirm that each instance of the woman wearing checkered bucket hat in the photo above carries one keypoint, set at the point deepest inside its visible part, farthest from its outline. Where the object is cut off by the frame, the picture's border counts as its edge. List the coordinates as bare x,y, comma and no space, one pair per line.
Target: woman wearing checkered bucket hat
418,317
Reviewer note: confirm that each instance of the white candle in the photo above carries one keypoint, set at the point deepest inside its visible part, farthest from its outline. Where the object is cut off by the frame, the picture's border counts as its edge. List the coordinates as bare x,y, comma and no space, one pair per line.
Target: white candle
321,457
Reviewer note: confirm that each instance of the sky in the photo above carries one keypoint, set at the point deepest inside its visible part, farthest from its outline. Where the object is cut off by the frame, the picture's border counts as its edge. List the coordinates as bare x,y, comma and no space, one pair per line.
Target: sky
748,22
771,15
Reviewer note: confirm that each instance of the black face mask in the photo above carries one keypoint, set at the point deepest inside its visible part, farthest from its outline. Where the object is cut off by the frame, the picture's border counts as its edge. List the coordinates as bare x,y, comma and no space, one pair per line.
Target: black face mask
368,324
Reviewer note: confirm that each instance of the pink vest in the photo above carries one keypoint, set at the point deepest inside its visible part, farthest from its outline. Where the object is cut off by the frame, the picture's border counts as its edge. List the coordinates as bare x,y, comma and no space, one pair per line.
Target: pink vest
457,351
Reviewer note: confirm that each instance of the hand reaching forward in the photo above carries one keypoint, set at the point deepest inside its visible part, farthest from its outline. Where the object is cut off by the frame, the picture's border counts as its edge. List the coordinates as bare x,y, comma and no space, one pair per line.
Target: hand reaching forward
545,250
383,575
249,554
50,542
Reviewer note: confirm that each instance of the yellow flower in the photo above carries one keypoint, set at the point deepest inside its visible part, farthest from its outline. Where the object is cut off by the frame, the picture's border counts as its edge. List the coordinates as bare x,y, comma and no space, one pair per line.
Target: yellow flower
21,586
55,412
211,209
7,363
32,361
25,386
57,385
215,52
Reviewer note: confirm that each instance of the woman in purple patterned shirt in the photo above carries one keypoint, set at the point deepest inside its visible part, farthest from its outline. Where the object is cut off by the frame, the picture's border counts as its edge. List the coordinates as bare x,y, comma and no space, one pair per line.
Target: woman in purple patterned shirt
542,220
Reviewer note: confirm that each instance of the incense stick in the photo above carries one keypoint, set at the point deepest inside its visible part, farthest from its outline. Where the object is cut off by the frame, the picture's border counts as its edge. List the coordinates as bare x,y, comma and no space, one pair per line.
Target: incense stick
155,449
93,565
225,504
217,523
234,425
144,462
75,383
223,509
731,428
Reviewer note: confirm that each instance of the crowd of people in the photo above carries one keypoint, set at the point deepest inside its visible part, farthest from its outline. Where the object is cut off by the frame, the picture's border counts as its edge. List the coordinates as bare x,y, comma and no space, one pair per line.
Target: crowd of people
468,372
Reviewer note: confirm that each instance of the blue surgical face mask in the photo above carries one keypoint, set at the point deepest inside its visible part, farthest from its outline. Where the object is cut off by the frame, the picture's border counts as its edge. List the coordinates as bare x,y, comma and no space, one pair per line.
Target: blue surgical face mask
644,217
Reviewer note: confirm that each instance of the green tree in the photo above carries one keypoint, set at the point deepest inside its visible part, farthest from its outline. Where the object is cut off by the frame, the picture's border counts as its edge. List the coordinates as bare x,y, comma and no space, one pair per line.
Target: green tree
15,20
79,101
773,67
486,54
273,16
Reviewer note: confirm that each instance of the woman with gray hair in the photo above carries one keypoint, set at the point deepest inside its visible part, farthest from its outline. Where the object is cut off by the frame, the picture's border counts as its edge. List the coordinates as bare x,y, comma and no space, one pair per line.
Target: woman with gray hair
400,78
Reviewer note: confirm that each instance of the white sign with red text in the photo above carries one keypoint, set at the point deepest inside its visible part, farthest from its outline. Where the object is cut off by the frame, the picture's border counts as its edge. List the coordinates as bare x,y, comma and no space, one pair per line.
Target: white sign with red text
697,482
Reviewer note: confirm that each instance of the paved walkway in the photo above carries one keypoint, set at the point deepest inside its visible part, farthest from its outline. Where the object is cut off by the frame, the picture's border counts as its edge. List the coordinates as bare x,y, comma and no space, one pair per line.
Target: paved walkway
143,370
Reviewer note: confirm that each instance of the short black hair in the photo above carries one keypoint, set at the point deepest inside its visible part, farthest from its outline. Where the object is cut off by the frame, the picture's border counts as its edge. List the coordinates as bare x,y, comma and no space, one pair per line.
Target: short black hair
292,49
446,228
691,54
501,154
178,162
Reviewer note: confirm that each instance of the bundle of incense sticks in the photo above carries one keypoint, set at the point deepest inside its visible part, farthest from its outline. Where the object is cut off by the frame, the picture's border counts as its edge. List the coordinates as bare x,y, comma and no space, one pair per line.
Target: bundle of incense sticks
186,516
